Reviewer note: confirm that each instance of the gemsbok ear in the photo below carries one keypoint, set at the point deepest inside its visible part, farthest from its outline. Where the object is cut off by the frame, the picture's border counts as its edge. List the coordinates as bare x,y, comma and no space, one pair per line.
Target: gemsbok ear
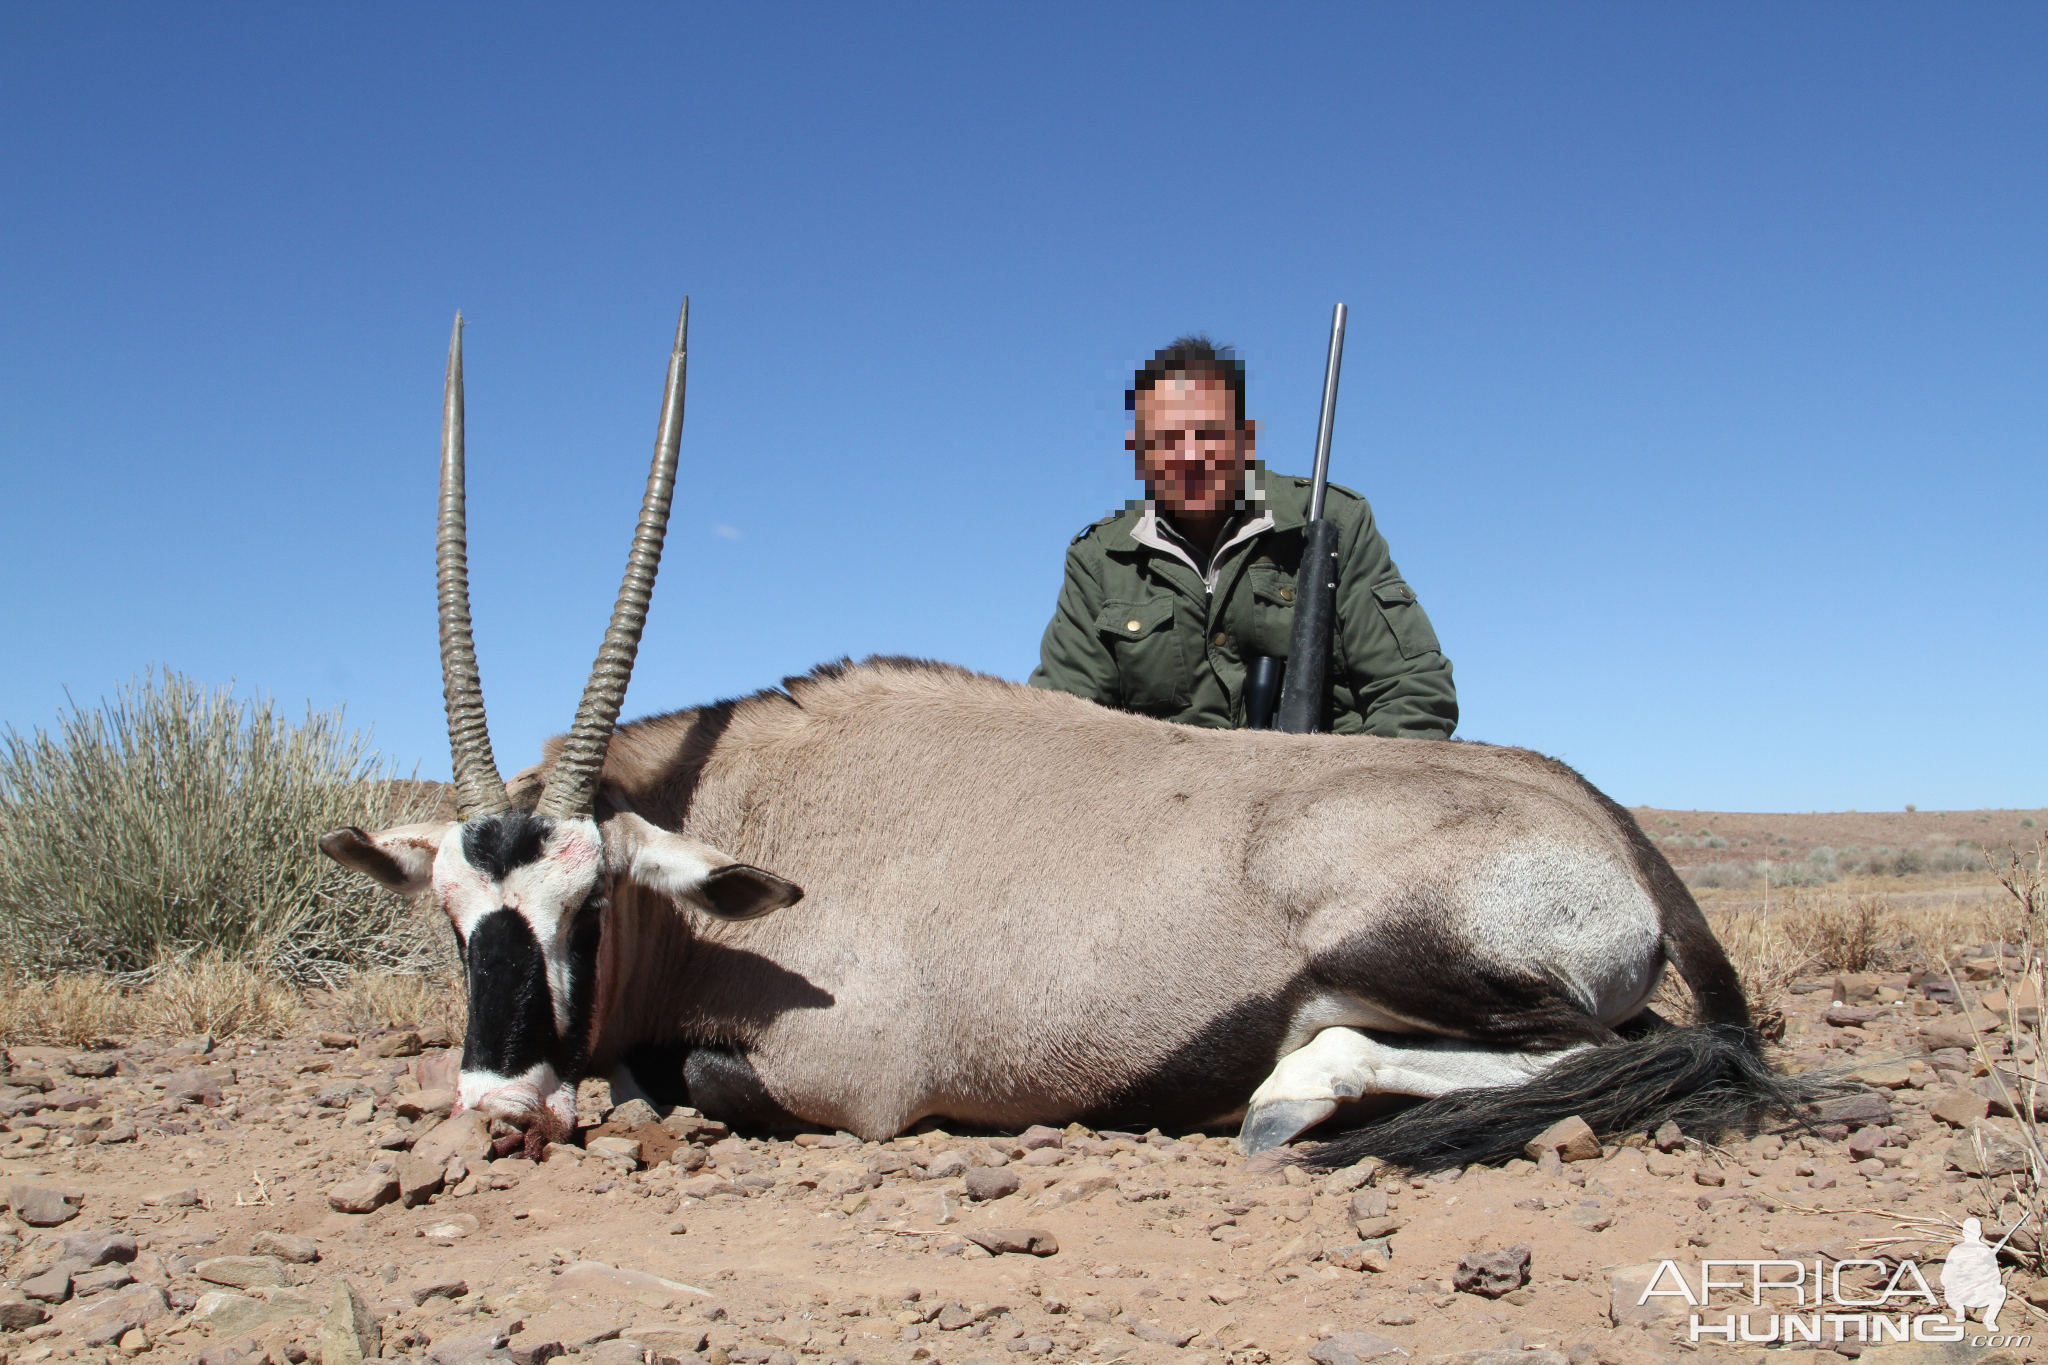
402,857
686,870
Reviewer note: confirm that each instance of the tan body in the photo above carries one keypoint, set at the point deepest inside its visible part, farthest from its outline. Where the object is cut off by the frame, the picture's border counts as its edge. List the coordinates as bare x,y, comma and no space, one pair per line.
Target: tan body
1020,905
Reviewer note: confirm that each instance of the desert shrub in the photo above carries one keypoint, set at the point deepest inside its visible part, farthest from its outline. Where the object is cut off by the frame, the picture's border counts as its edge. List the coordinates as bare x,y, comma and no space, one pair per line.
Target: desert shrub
1855,937
1713,841
374,1000
175,820
1726,876
1800,872
1957,857
1907,861
225,997
73,1010
2026,822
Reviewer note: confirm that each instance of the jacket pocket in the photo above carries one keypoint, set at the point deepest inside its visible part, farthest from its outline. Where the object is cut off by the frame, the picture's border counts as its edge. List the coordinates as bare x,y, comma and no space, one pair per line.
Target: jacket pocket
1150,672
1405,618
1272,623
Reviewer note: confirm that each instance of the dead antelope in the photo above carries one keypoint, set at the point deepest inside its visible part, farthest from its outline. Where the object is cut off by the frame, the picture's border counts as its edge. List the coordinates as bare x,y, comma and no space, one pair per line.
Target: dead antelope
1021,907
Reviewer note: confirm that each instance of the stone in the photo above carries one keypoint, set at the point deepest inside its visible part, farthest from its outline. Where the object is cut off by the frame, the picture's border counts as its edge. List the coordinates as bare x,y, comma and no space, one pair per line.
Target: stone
52,1286
992,1182
1353,1348
99,1248
105,1279
1986,1150
284,1246
1368,1229
1857,1110
242,1272
337,1041
229,1314
172,1199
1491,1274
624,1149
349,1334
18,1313
593,1101
133,1342
1889,1075
526,1349
1853,987
438,1289
120,1130
1373,1254
948,1165
1080,1185
439,1103
192,1087
667,1339
1627,1306
364,1194
418,1179
1668,1137
467,1135
632,1114
228,1352
1571,1138
461,1225
1502,1357
1038,1135
457,1350
39,1206
704,1186
402,1044
1014,1241
138,1305
1162,1335
605,1281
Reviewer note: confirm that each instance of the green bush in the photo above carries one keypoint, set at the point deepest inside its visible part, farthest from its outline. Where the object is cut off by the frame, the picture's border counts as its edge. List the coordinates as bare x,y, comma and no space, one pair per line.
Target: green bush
174,820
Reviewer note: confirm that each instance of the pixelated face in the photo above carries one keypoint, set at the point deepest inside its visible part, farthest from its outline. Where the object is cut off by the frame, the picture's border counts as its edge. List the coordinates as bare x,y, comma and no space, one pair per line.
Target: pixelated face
1191,451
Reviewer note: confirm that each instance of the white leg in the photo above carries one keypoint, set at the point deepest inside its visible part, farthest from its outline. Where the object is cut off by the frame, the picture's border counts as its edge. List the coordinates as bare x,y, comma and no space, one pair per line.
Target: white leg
1345,1063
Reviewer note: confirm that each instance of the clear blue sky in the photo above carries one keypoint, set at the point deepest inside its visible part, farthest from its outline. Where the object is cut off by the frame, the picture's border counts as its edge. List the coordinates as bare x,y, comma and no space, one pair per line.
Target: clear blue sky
1696,368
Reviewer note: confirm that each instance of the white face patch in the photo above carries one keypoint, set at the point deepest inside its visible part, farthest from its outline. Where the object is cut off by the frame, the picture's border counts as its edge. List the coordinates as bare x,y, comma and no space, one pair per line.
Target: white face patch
546,892
506,1097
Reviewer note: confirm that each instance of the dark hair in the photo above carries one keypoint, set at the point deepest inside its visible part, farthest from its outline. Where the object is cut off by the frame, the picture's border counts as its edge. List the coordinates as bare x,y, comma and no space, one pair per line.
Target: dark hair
1191,354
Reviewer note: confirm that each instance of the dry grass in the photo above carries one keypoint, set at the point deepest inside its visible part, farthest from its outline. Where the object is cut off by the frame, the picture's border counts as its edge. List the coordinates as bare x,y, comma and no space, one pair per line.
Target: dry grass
66,1011
373,1000
211,994
221,996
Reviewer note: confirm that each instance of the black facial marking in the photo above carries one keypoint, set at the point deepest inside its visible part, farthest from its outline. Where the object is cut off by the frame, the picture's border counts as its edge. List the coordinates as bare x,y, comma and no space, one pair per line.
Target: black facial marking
496,844
571,1053
511,1015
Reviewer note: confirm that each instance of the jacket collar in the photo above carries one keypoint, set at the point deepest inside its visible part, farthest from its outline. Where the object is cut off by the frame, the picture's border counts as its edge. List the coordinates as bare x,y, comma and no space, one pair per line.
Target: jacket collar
1276,504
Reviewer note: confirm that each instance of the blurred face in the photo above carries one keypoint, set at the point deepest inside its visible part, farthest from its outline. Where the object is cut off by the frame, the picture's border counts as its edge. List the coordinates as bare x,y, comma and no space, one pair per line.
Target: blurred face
1191,451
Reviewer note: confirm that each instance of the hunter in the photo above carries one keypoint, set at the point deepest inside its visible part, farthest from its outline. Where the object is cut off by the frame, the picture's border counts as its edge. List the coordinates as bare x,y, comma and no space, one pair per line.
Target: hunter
1166,602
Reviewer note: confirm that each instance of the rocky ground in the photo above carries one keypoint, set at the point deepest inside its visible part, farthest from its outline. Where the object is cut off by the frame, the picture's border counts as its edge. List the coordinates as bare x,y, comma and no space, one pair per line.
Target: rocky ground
309,1198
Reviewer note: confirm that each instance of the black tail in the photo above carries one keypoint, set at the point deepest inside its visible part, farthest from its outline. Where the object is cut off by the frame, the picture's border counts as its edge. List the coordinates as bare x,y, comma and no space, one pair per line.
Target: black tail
1706,1078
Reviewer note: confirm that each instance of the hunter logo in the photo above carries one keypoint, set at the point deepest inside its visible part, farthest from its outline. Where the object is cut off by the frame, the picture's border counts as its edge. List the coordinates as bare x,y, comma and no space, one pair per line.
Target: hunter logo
1813,1305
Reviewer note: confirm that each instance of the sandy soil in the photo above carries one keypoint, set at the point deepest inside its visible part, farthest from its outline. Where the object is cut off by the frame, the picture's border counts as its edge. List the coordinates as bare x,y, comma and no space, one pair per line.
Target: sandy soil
1170,1248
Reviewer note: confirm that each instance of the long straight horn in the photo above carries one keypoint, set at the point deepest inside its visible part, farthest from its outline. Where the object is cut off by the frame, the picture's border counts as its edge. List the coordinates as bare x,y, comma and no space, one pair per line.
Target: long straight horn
478,788
572,788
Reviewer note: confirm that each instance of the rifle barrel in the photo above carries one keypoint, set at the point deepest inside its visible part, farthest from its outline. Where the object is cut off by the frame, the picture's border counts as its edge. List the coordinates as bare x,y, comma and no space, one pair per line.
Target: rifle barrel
1328,424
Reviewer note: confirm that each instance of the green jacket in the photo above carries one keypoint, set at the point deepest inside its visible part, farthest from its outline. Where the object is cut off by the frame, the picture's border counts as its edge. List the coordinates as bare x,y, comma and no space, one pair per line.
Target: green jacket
1138,628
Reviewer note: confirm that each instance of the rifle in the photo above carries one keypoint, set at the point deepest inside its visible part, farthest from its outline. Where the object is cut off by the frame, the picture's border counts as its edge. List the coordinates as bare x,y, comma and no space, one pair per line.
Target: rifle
1304,696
